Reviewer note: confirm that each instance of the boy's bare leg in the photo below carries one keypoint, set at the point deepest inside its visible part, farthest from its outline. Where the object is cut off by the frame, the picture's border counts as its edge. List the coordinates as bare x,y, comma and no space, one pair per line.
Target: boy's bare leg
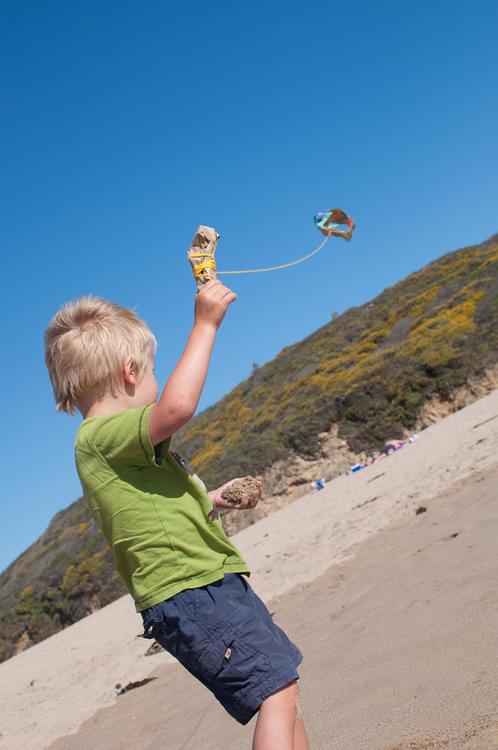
300,736
278,726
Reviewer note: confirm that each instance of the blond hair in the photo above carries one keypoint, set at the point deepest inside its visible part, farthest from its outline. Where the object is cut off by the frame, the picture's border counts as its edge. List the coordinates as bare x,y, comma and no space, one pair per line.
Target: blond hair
87,344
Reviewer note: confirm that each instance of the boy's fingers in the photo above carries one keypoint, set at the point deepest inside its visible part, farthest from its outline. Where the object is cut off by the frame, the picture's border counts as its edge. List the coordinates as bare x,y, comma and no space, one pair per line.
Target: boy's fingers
211,283
208,285
212,288
218,292
223,292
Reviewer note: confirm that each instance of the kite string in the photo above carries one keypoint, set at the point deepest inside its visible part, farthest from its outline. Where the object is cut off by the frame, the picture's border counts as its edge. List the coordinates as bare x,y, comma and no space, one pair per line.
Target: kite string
277,268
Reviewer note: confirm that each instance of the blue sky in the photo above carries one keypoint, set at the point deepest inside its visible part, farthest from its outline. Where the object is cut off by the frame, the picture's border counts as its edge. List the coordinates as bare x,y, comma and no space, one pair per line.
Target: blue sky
125,125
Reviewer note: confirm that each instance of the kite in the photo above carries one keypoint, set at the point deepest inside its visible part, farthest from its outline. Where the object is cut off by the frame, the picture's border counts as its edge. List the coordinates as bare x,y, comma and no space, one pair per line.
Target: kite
335,223
332,223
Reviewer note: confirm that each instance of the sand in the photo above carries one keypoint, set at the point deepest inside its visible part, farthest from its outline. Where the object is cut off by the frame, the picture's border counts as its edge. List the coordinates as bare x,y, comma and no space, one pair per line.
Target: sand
394,611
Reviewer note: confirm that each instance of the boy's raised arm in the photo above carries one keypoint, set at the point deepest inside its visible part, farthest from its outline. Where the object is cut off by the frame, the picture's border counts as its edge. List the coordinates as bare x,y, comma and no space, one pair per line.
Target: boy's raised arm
182,391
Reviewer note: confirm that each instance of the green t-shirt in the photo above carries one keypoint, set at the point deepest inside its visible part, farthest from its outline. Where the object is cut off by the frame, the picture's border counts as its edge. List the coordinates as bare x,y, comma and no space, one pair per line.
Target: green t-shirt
151,510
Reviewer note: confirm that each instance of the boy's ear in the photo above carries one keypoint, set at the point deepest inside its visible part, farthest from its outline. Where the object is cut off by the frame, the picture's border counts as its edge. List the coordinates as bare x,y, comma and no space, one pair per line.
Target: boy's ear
130,371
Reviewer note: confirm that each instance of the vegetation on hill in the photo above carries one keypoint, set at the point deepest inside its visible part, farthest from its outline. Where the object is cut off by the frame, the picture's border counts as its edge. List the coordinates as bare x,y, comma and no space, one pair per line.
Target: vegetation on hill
66,574
370,371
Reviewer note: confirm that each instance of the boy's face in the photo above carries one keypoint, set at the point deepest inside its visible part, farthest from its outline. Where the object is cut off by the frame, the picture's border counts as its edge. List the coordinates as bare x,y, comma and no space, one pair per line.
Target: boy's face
147,390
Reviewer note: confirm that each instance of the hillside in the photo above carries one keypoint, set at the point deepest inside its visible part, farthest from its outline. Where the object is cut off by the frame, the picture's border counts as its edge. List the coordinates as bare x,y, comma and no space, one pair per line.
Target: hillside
370,370
366,376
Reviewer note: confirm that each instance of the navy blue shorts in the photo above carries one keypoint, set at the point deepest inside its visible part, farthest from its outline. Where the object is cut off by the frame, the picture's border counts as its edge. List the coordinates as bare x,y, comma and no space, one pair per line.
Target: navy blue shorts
225,636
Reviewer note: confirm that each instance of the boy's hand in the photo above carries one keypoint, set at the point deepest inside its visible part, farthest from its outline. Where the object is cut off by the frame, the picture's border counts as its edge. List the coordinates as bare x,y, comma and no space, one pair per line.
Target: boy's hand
248,501
212,302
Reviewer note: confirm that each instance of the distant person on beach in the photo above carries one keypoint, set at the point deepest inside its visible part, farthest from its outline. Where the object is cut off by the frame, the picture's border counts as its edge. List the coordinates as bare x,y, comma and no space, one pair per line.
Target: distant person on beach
187,579
387,449
392,446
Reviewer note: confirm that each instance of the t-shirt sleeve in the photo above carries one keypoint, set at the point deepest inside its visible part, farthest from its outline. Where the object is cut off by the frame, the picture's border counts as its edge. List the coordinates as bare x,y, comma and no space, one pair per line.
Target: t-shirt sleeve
124,437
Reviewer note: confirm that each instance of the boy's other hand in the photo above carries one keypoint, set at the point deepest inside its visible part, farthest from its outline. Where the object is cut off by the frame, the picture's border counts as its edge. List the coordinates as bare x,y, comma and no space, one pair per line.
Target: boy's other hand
248,502
212,302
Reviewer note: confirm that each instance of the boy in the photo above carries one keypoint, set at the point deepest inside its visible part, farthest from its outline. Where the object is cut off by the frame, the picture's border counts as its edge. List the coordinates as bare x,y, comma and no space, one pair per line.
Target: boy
183,572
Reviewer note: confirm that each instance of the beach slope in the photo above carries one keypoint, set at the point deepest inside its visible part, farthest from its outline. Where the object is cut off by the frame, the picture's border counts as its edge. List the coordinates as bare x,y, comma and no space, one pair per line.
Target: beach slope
386,579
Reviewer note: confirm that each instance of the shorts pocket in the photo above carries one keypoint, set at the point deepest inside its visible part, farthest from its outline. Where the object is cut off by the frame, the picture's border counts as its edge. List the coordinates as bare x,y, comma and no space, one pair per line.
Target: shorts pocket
217,654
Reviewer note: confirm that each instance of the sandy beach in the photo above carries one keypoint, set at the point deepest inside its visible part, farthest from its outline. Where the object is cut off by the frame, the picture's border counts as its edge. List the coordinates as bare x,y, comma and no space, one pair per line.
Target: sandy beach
394,610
